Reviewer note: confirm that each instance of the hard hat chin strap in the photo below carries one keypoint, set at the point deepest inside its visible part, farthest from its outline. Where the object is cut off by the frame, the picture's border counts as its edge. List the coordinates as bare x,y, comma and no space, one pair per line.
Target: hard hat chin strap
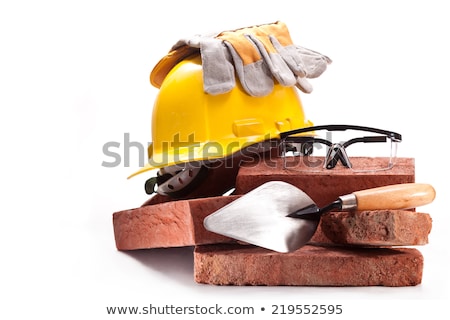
178,180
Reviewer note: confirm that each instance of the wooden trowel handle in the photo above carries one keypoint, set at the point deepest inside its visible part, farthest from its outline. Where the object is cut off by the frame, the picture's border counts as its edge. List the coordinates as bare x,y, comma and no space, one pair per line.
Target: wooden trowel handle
397,196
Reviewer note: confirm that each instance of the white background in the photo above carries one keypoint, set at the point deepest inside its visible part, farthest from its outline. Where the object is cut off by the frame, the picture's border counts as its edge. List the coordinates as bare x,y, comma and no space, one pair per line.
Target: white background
74,76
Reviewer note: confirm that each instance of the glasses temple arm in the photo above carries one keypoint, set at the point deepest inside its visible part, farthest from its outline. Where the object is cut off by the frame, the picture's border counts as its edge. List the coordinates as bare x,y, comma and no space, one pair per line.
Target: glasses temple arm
365,140
340,127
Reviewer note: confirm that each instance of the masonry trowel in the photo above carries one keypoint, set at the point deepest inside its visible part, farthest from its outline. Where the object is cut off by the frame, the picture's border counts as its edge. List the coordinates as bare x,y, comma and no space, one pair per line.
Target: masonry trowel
281,217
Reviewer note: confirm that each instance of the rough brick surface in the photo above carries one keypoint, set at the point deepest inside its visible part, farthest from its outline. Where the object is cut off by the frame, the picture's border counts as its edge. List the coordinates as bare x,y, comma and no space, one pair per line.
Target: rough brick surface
168,224
374,228
308,266
325,186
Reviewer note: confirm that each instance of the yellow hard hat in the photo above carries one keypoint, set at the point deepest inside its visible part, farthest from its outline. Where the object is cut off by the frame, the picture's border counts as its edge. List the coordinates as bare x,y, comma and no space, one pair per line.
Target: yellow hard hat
191,125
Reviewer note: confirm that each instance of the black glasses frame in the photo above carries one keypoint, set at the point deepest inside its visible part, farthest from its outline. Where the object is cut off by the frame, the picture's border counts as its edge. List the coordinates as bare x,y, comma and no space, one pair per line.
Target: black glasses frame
336,151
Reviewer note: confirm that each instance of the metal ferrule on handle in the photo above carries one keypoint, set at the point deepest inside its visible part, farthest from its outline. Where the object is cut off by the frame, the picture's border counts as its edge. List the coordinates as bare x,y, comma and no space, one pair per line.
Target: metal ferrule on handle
348,202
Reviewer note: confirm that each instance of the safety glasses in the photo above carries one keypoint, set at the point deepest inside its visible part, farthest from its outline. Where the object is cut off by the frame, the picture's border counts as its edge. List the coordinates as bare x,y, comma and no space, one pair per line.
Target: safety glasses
359,148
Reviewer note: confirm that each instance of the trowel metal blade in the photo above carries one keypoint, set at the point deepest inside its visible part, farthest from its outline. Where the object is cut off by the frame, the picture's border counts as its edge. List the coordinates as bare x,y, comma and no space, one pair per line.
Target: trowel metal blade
260,217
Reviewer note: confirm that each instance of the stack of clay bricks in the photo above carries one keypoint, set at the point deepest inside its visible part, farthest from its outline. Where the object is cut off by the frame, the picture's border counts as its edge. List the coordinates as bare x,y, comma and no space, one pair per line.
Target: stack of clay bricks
363,248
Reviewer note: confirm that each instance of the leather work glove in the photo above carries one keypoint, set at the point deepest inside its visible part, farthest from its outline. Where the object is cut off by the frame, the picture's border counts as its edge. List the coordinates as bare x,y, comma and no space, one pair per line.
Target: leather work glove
288,63
254,73
220,61
218,70
252,51
257,54
275,44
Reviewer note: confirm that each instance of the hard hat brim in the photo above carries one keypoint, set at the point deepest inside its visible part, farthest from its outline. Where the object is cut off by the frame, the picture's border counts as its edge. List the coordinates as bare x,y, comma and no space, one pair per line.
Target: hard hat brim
208,151
163,67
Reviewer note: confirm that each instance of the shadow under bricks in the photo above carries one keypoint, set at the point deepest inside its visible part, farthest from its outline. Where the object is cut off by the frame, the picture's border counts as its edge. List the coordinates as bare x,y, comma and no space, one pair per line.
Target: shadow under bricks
174,263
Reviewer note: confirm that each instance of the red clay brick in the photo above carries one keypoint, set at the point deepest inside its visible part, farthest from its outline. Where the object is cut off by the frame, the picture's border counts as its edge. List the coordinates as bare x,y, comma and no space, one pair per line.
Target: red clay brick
327,185
180,223
374,228
308,266
168,224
